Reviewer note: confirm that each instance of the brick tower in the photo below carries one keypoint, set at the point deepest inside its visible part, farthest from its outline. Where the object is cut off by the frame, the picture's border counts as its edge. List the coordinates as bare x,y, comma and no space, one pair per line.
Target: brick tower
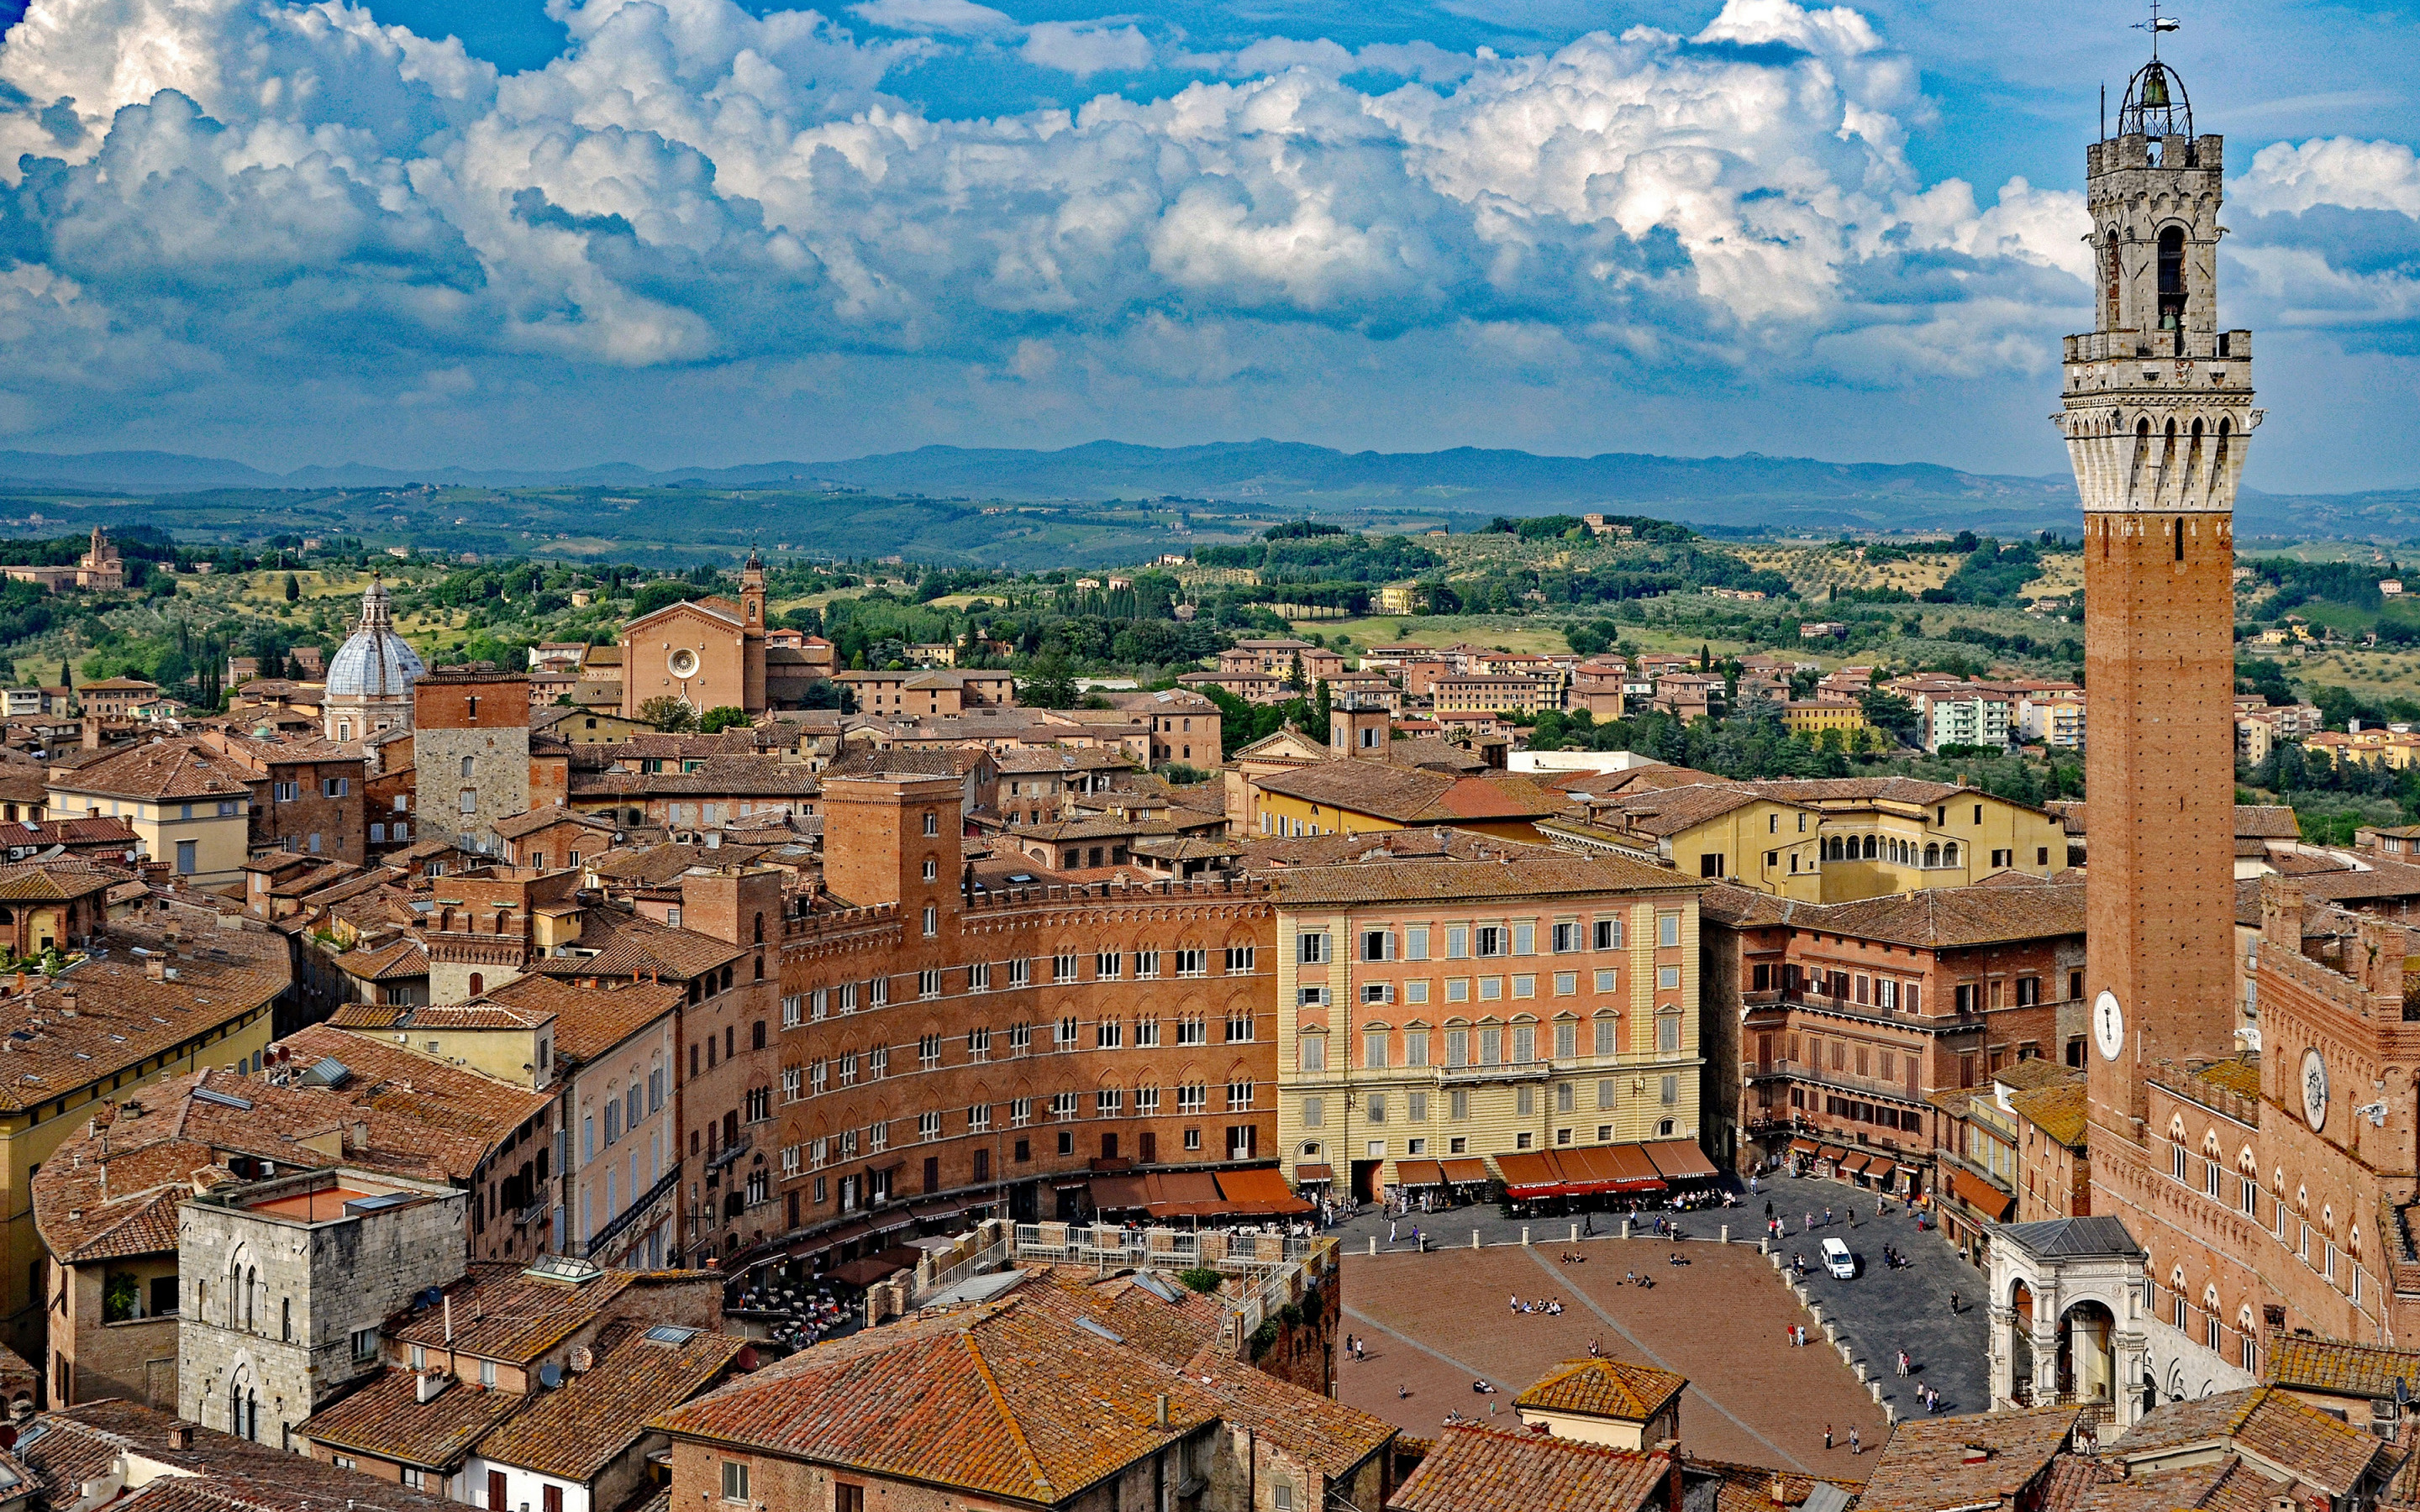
2158,411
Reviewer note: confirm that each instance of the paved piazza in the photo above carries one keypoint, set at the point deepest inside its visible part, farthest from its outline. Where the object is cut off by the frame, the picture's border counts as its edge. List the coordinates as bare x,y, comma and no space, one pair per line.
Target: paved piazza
1434,1322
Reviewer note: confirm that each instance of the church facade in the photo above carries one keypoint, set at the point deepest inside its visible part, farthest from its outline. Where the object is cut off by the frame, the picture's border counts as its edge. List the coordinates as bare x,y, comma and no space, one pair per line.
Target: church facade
710,653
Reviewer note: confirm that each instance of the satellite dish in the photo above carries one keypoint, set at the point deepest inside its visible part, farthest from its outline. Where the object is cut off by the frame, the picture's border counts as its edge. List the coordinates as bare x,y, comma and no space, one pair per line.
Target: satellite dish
550,1375
2402,1392
432,1297
582,1358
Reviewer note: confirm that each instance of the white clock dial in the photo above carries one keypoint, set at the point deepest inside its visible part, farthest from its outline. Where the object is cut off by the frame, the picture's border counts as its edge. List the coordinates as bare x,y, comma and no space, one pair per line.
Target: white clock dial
2108,1025
2314,1089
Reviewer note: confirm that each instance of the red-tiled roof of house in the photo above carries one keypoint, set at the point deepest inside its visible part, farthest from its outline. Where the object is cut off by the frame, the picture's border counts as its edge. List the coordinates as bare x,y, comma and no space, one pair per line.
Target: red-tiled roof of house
1950,917
590,1021
2059,1111
1526,875
632,945
2340,1367
215,1472
122,1017
501,1312
1007,1400
574,1432
113,1189
389,963
1413,794
1603,1388
2265,1423
386,1418
1931,1464
1475,1469
160,771
471,1111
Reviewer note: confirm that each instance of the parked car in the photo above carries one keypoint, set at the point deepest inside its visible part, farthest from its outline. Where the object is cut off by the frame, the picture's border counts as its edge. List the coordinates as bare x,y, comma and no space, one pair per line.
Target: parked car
1837,1261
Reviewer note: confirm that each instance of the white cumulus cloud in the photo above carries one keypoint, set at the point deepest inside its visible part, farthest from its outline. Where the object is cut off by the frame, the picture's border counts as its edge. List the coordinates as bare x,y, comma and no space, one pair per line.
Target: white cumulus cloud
236,192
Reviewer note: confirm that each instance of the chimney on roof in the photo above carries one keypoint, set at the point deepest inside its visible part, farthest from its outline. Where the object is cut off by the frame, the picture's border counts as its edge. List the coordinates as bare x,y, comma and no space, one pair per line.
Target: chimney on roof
181,1435
361,1134
156,967
1159,1410
67,1001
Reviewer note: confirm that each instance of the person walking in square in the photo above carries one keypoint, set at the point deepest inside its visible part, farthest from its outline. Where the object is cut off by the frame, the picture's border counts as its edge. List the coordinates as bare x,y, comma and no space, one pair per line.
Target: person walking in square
1827,1435
1854,1447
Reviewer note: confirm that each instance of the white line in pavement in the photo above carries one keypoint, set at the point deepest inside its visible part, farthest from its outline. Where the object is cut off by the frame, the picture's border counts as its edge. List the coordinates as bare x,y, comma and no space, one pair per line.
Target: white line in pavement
1696,1390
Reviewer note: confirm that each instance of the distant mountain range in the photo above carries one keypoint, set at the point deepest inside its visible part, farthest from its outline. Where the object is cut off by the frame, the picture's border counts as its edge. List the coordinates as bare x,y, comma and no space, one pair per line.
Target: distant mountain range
1734,492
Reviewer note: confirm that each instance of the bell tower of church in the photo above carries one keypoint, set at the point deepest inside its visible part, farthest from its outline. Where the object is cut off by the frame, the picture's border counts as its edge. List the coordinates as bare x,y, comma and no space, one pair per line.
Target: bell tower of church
2157,414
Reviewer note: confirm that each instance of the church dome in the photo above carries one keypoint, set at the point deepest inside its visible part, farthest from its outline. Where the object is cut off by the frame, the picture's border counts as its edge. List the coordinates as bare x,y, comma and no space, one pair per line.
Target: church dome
374,662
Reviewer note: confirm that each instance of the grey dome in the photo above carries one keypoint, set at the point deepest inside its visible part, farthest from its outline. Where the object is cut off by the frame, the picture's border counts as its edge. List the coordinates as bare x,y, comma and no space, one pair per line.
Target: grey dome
374,662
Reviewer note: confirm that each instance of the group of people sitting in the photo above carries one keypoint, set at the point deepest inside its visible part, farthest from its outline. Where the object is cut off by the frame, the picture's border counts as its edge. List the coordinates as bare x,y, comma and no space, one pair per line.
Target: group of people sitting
1550,1307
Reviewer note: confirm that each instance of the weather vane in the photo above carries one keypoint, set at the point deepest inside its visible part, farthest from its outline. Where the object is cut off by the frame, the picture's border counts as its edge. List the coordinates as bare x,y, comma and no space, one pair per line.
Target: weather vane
2157,24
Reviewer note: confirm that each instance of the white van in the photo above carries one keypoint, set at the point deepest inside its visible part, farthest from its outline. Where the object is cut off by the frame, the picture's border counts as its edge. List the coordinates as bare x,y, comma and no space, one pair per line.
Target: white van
1837,1261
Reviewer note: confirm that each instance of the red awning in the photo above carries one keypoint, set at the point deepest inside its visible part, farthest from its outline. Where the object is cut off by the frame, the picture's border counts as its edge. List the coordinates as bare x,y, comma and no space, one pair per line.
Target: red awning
1681,1160
1803,1147
1314,1173
1981,1195
1635,1171
1261,1192
865,1272
1529,1174
1465,1172
1419,1173
1118,1193
1184,1193
1584,1172
1832,1152
1853,1164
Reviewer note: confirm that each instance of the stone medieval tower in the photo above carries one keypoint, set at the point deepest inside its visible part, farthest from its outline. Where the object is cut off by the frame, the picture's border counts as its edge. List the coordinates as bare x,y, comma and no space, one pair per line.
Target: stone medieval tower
2158,413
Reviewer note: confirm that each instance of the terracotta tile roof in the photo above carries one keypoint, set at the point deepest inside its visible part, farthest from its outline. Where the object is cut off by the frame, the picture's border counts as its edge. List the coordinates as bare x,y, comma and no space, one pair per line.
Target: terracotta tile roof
477,1013
2058,1111
1750,1488
113,1189
1952,917
221,1473
2241,1078
1927,1465
1413,794
1603,1388
122,1017
1008,1400
386,1418
589,1021
392,963
502,1313
655,865
2072,1476
1672,810
2266,821
1435,843
59,879
574,1432
2218,1483
472,1112
159,770
2340,1368
1740,907
631,944
516,826
2265,1423
1527,875
1481,1470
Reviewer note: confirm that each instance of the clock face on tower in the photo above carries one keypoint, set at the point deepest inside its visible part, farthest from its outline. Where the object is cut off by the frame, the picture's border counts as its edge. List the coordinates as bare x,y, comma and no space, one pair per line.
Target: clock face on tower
2108,1025
2314,1089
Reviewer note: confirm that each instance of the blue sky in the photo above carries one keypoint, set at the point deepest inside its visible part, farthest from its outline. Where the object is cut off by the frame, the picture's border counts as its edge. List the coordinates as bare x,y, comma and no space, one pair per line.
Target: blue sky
555,232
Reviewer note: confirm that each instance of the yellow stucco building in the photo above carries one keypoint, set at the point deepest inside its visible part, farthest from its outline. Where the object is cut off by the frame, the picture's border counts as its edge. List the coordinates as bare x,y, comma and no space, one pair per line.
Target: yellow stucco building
100,1029
1475,1009
188,804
